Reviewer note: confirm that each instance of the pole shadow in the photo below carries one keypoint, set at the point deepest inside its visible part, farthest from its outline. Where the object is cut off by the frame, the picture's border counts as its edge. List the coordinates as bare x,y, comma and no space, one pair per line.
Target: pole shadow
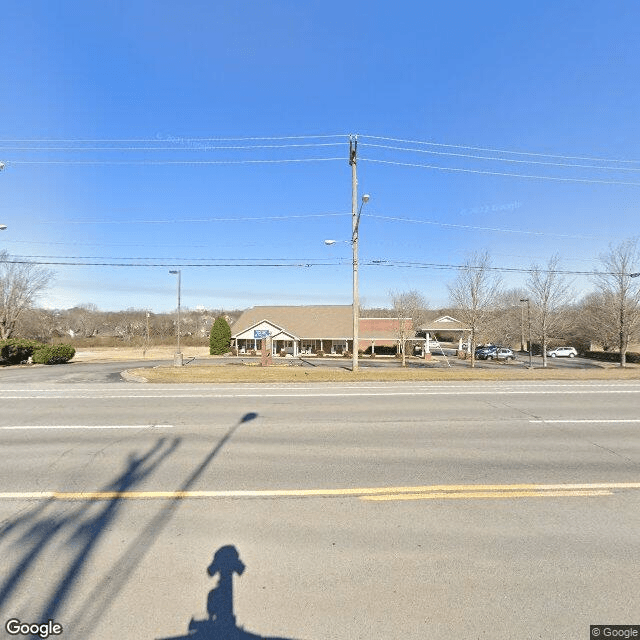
81,527
221,622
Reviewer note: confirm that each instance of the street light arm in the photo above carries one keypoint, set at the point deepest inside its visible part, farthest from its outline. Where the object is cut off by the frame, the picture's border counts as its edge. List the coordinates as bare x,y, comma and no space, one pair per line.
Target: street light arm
365,198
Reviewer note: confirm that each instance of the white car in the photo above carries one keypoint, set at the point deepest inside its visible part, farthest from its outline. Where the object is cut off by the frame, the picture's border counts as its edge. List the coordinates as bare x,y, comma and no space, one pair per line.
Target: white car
562,352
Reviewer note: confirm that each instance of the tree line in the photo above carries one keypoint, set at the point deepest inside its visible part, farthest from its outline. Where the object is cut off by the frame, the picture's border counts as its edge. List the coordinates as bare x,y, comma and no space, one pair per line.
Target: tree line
609,315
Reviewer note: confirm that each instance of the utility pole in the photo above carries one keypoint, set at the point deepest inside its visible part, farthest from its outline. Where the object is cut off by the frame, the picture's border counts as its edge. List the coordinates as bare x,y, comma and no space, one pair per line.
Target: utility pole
177,358
353,159
528,301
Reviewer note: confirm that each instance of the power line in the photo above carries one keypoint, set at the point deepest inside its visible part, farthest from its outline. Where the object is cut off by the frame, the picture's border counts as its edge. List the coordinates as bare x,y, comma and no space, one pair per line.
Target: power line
196,220
496,159
212,261
176,139
462,267
306,263
178,148
478,228
171,162
498,173
522,153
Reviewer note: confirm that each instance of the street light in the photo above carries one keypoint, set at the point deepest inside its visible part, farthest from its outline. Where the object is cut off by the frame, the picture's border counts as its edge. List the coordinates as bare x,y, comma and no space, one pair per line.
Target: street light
529,321
356,295
177,359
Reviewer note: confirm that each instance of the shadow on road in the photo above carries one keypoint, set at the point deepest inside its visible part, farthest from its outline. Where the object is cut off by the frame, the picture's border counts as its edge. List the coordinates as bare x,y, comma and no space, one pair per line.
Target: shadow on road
221,621
38,535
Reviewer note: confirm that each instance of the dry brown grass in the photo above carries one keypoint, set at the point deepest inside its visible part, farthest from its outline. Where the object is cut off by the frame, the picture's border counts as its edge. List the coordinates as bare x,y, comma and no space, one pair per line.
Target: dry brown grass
257,374
162,352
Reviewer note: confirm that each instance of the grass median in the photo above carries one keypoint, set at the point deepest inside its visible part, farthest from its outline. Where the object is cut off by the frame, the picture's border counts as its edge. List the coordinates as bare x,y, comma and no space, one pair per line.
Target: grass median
238,373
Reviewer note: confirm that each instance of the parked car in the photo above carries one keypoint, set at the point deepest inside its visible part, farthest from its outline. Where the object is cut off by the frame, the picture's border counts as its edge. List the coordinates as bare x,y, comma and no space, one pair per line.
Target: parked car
482,347
496,353
562,352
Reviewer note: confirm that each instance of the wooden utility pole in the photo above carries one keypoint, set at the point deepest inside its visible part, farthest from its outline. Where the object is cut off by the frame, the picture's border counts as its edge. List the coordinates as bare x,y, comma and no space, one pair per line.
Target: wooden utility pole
353,159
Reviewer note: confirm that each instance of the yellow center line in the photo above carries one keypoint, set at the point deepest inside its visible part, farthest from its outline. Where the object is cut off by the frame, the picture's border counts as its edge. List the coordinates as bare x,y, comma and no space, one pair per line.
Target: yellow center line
486,494
368,493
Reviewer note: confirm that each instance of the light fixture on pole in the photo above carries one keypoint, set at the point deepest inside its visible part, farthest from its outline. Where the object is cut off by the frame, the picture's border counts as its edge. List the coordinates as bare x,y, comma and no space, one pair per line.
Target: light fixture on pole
177,359
529,321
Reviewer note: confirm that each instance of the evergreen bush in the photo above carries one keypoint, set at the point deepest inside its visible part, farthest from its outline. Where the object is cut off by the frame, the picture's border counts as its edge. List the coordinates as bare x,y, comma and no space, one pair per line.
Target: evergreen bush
53,354
220,337
15,350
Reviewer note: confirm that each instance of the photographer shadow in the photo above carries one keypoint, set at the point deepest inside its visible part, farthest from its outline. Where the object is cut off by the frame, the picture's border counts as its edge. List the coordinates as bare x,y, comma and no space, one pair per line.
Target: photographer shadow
221,621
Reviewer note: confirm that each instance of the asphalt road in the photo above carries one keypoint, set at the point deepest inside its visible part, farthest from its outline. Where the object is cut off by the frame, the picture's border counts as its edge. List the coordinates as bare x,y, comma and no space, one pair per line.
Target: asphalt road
405,510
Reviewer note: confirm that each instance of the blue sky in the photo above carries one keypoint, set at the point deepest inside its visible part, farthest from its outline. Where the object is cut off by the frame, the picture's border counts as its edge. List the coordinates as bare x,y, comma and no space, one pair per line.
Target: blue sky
164,136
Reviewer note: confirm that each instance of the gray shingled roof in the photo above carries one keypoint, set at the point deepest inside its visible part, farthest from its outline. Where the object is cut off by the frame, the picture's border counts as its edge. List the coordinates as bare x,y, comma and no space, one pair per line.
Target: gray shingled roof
320,322
316,322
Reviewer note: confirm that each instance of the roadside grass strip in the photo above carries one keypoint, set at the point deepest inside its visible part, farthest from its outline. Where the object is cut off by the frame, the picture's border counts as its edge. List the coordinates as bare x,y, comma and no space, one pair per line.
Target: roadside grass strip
429,492
426,372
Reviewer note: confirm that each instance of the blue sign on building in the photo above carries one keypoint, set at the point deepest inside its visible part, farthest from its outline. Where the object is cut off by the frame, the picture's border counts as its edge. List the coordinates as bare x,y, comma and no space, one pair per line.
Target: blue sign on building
260,334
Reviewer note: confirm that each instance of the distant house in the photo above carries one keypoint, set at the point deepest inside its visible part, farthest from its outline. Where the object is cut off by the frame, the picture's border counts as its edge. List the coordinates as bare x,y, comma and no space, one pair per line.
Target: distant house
306,329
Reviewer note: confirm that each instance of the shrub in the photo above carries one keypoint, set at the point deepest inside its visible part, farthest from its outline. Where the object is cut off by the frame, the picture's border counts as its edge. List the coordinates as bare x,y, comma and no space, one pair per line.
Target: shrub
15,351
320,353
53,354
220,337
612,356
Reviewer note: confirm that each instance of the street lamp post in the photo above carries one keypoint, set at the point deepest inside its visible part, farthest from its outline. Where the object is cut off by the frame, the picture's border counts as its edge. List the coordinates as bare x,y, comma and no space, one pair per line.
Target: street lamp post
177,359
529,321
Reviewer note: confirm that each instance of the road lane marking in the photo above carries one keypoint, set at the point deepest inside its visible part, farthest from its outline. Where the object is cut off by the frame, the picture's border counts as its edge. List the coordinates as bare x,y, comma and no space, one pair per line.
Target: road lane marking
394,493
328,394
89,426
589,421
466,495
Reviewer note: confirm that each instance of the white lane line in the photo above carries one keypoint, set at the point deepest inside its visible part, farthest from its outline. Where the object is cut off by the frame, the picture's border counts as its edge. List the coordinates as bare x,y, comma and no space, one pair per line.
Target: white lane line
303,394
589,421
89,426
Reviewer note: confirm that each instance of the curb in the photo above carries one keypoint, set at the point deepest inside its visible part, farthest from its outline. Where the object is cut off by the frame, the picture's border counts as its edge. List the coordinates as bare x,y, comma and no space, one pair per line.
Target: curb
129,376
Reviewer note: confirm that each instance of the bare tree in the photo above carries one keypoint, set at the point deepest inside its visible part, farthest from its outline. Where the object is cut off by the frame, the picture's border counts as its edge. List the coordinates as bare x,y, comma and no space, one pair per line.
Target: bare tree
596,319
20,284
409,308
621,290
85,320
474,294
549,293
505,326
